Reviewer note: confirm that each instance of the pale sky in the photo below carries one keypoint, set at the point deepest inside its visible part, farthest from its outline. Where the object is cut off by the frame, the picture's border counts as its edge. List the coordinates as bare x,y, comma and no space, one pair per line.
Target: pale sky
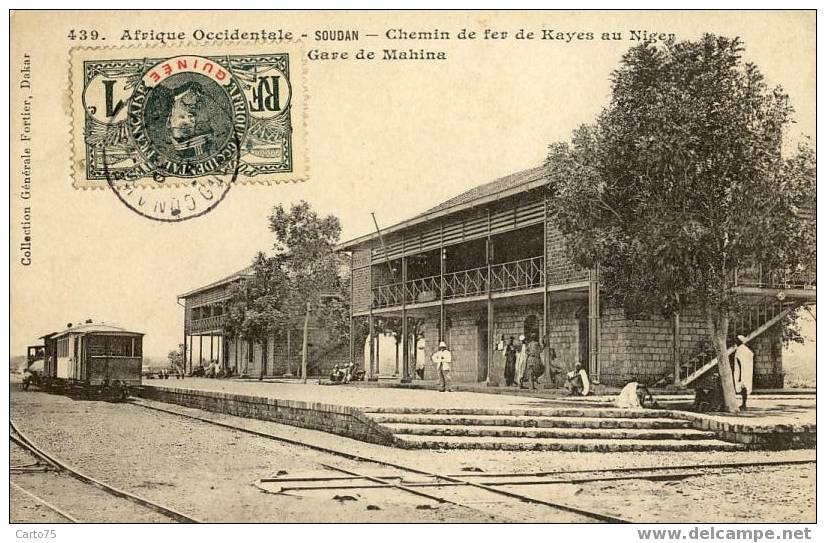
391,137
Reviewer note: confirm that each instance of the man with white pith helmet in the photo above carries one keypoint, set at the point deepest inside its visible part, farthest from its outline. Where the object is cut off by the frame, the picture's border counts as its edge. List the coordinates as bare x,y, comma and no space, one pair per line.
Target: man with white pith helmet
442,358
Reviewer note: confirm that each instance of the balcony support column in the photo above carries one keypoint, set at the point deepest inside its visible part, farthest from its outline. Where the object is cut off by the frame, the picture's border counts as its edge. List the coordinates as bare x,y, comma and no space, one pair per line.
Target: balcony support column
200,350
183,360
546,348
593,323
442,258
372,327
405,376
677,347
490,379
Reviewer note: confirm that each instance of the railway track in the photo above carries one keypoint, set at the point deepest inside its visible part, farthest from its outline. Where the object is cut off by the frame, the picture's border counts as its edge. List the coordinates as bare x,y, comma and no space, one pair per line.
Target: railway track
44,462
432,485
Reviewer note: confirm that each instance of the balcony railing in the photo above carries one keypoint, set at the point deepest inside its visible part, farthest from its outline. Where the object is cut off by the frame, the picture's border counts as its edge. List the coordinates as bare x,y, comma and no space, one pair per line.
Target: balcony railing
510,276
207,323
782,279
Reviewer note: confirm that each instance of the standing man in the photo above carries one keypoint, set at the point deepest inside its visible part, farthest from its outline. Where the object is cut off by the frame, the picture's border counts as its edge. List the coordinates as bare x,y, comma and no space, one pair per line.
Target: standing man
743,369
532,362
521,361
510,363
442,358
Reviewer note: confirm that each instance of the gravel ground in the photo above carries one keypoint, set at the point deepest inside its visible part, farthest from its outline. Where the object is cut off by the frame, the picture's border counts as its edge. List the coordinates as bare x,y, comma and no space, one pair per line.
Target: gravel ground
211,473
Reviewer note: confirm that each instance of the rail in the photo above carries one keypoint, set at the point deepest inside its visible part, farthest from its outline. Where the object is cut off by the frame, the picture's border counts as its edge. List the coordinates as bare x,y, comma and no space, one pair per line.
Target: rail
524,274
757,276
207,323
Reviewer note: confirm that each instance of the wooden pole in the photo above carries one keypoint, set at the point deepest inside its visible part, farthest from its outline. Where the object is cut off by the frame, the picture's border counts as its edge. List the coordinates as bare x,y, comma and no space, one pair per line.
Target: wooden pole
442,316
545,348
490,380
183,360
352,324
200,350
304,344
405,375
593,323
289,364
372,328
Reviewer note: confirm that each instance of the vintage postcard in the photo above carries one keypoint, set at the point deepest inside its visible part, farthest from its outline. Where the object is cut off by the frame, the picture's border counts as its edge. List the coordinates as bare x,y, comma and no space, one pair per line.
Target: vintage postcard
414,267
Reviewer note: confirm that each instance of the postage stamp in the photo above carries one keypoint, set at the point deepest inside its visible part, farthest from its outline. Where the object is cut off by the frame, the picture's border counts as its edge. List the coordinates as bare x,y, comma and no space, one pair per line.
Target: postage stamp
187,116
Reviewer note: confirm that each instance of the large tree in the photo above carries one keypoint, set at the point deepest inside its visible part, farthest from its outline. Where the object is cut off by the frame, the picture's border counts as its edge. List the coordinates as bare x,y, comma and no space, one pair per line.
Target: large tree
302,268
682,179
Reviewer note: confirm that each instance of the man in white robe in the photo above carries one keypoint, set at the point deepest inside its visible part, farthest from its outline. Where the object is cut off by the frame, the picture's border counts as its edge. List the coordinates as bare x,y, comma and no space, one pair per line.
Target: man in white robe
743,369
521,361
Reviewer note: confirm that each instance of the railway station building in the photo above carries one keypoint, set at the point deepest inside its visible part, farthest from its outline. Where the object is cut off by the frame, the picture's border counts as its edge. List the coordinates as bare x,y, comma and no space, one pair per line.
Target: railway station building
205,338
490,262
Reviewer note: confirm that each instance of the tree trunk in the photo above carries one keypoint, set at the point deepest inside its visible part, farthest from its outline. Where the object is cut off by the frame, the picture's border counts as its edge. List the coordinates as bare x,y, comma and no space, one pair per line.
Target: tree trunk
719,333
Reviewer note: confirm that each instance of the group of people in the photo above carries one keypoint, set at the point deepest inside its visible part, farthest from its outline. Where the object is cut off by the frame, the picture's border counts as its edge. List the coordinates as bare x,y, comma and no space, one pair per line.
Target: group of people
213,370
523,363
345,373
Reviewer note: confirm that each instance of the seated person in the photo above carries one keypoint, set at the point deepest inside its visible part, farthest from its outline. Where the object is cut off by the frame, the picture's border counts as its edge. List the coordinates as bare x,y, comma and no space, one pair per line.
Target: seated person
337,375
635,396
578,383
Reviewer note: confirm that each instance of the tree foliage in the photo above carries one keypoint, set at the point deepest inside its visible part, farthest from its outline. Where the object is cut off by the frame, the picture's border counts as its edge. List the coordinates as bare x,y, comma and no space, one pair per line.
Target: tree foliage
683,179
302,267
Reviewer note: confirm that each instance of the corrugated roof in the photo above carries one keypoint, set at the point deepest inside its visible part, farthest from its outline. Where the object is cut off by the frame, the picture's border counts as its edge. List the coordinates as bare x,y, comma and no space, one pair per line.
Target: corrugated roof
488,189
87,327
246,272
502,187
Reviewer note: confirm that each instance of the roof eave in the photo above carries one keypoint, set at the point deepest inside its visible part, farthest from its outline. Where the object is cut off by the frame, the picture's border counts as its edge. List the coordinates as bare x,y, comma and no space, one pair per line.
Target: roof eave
425,217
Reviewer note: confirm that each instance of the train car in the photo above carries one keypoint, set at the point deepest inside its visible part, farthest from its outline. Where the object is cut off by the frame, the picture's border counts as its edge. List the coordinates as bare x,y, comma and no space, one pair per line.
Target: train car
95,359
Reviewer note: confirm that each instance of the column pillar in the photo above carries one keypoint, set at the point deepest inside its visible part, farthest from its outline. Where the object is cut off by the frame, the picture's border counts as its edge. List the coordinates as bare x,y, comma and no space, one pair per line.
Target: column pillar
200,350
593,323
405,375
677,347
490,380
372,327
545,348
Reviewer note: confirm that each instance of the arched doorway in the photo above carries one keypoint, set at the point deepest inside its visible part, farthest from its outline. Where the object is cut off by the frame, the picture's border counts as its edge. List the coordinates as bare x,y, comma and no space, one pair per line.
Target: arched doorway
531,327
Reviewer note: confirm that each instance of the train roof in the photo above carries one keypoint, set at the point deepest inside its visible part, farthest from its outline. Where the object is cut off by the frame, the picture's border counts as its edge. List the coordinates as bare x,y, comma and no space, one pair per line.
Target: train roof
92,328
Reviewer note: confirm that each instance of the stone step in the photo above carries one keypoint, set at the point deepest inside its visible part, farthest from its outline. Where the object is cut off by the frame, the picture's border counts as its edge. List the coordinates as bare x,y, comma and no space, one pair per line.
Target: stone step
561,433
596,412
530,421
569,445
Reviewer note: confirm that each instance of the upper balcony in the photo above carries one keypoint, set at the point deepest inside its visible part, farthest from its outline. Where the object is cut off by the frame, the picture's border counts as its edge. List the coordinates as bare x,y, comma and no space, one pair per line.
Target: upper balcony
524,274
797,285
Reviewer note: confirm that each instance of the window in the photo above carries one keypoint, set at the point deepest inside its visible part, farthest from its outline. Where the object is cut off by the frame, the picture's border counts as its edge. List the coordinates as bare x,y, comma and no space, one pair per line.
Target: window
63,348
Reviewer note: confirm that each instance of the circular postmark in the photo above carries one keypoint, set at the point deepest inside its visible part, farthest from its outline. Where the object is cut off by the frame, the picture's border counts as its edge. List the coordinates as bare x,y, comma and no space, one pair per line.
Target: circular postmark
186,119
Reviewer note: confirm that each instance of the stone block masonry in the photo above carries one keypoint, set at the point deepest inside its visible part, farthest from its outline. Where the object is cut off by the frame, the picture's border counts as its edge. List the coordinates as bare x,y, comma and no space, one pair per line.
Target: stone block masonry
335,419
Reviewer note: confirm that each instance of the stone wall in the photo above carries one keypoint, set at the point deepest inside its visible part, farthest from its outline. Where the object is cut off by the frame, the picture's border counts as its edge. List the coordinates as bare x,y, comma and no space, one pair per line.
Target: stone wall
335,419
643,349
463,338
559,267
362,295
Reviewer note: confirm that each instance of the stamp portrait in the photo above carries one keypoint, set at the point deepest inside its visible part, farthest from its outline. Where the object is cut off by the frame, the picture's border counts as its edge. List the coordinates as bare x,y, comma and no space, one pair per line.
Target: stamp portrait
174,117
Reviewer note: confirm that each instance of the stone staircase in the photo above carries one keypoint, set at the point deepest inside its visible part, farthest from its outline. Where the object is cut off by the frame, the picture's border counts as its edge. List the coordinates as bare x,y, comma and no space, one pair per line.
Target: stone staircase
545,429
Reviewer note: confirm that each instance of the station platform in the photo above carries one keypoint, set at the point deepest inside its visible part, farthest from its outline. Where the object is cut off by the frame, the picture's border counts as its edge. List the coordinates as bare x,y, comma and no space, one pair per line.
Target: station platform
424,418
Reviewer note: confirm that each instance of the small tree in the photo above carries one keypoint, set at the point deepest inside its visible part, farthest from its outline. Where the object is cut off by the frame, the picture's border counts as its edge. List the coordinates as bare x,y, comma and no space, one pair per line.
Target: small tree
681,181
302,268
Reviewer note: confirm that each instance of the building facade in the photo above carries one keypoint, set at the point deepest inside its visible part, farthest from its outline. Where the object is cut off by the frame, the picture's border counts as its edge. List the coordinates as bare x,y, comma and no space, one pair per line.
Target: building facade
490,263
205,338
